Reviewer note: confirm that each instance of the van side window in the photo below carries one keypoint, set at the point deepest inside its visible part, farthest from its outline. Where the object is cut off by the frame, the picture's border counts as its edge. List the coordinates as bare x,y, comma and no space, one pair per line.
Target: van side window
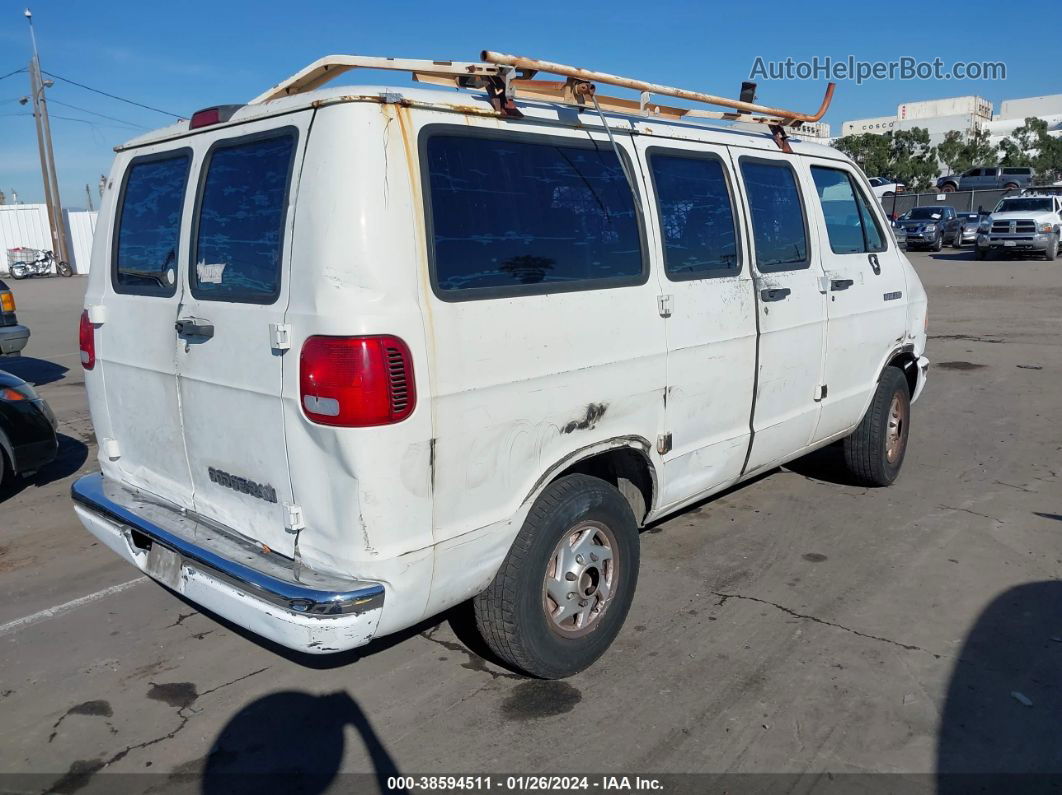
696,216
240,221
149,224
778,224
513,216
849,221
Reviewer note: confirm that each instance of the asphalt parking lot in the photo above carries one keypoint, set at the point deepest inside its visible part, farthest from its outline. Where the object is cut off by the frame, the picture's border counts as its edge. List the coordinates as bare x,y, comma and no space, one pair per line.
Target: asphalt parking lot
795,624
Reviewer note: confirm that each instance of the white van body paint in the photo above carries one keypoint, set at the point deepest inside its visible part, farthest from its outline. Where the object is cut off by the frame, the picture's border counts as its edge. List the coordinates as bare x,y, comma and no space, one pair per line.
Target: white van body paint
511,391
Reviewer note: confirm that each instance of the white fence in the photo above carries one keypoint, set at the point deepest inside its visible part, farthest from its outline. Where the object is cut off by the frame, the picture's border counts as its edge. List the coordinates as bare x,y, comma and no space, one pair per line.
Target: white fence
26,226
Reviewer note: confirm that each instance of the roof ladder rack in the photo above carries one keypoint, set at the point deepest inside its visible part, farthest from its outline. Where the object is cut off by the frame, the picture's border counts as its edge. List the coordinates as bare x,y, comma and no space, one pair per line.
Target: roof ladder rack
507,78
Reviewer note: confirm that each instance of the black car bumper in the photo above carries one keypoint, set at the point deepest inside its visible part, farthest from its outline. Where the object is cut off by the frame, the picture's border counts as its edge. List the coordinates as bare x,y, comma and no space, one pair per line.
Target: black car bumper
13,339
27,433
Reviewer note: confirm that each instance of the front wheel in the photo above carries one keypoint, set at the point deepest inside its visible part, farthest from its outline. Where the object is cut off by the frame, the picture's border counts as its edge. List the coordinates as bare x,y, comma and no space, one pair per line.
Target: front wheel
1051,254
939,245
64,269
874,453
564,590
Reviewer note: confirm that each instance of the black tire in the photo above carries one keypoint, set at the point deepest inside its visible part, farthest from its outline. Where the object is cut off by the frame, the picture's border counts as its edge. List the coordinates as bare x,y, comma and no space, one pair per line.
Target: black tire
873,455
887,194
1052,250
512,613
22,274
939,245
1011,186
64,269
948,187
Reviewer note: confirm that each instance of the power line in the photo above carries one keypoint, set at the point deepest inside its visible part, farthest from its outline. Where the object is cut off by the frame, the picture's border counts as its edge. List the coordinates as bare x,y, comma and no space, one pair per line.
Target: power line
28,115
94,113
12,74
112,96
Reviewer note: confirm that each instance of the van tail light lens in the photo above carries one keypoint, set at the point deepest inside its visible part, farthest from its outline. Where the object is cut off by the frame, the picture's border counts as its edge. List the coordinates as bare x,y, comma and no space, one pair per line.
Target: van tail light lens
356,382
87,342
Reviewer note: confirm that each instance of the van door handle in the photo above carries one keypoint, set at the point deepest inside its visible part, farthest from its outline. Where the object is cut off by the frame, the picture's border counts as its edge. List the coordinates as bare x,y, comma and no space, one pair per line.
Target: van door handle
194,327
775,294
874,264
841,284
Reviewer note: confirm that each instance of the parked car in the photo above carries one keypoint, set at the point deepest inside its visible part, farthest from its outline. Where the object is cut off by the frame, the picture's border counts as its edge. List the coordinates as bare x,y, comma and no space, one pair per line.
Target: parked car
883,187
13,337
27,429
988,178
1022,225
928,227
464,355
965,230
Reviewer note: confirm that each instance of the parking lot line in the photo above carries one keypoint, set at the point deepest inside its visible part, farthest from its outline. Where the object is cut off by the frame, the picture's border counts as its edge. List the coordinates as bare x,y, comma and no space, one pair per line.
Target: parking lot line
66,607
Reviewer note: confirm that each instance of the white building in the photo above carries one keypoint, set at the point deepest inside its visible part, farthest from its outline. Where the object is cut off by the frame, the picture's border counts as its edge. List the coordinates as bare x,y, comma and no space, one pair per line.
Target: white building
26,226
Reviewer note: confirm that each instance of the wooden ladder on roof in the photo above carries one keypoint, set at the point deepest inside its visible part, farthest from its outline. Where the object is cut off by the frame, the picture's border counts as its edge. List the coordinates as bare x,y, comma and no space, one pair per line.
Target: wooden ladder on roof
507,78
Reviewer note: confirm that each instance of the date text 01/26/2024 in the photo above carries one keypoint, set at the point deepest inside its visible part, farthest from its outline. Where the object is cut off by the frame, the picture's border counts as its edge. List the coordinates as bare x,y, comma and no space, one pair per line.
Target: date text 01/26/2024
522,783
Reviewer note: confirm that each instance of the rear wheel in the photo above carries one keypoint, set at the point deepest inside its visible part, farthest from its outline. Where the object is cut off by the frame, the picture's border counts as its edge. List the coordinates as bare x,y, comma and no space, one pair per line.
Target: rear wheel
874,453
1010,186
948,187
563,592
19,270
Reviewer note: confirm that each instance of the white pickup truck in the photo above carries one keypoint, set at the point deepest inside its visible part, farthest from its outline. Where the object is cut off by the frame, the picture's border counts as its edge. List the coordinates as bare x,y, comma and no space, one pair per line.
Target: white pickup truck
1022,224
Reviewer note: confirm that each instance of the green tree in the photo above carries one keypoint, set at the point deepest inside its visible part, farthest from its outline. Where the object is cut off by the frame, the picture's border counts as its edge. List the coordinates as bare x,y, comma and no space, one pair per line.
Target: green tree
959,152
1032,145
914,160
869,150
904,155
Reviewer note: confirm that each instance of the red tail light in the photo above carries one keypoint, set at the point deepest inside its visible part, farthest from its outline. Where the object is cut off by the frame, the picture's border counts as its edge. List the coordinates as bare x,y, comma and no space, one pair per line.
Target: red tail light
87,340
356,382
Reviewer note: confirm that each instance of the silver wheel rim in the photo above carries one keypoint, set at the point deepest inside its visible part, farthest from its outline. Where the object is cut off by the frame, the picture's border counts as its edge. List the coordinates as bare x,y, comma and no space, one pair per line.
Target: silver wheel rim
581,579
895,430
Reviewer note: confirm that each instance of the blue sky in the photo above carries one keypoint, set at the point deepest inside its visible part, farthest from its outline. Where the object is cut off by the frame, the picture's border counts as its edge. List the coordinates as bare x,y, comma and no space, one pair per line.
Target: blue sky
180,56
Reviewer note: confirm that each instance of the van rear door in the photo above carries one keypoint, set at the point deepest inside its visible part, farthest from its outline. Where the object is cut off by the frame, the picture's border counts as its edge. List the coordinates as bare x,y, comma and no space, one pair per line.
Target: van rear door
230,353
135,345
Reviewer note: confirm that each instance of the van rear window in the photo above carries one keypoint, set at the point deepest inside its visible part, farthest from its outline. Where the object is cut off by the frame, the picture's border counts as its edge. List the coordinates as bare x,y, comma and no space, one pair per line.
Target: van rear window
149,223
512,216
240,223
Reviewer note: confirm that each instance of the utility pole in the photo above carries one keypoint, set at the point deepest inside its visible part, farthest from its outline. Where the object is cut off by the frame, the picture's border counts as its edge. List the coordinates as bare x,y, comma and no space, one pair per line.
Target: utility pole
88,195
44,145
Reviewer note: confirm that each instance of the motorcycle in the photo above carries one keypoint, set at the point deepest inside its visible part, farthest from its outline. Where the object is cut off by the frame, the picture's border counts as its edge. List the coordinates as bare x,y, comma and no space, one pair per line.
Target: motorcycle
41,266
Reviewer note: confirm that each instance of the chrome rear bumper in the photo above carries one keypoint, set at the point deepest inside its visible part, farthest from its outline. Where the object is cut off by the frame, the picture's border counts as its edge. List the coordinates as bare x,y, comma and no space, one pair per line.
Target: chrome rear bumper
215,566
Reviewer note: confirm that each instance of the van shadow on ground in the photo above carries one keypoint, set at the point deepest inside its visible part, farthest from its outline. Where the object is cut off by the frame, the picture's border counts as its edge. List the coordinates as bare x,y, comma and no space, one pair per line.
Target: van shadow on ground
1000,727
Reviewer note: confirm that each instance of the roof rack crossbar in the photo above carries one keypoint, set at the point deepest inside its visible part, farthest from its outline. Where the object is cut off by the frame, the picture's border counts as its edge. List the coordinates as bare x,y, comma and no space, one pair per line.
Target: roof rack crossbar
510,77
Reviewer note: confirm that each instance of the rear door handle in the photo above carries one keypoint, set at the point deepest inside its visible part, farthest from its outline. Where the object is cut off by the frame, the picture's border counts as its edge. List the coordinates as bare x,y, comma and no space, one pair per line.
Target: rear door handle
194,327
775,293
841,284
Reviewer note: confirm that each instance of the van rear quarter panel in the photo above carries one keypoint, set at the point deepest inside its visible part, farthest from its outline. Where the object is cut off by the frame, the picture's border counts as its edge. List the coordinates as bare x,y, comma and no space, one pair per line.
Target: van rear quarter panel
521,384
365,492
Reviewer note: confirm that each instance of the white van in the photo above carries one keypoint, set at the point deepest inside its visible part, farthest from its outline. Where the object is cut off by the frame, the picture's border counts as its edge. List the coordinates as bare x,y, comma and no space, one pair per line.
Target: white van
356,355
